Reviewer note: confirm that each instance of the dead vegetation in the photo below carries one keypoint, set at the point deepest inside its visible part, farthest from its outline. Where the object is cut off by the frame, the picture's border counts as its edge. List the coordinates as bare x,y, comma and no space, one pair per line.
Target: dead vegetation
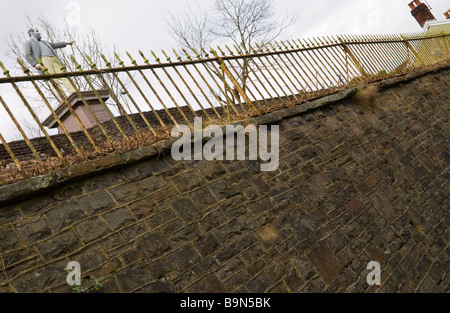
366,96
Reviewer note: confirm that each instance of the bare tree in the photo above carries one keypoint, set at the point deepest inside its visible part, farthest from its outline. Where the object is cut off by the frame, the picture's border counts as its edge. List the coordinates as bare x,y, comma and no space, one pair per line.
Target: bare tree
238,22
88,43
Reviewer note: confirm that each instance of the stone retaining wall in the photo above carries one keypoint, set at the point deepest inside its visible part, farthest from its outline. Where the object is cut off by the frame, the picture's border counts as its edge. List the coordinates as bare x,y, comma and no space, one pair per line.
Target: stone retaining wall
354,186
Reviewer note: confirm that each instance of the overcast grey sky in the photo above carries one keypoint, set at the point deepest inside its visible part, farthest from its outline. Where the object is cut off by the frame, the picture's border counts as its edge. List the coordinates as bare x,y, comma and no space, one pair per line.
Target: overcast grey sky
131,25
138,24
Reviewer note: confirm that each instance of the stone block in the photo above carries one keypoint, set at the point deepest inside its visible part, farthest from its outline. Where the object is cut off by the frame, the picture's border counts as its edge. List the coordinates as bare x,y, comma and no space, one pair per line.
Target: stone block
355,206
119,218
34,231
65,215
260,284
92,229
96,202
127,193
186,209
325,262
187,181
8,240
207,245
208,284
154,244
59,245
183,258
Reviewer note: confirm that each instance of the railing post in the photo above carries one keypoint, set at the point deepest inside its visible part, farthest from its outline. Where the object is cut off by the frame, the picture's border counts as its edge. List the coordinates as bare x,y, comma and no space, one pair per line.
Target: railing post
235,82
410,48
10,152
445,39
352,56
444,36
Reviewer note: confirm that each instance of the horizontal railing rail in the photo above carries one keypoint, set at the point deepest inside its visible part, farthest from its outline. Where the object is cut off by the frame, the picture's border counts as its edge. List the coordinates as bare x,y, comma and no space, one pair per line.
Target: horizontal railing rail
120,108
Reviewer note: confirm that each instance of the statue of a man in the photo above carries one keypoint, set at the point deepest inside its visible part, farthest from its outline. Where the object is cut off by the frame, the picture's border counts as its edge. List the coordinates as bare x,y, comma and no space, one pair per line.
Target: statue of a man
36,48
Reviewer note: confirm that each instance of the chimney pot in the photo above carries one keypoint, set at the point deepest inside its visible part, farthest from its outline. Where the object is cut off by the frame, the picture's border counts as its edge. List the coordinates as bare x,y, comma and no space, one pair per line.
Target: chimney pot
421,12
447,14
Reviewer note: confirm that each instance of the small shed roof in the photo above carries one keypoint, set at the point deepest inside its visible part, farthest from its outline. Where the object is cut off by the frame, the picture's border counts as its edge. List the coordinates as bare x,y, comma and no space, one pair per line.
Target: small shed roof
62,111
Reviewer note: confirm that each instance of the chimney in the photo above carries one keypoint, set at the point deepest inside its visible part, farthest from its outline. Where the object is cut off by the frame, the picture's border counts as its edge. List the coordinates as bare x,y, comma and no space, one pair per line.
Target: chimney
421,12
447,14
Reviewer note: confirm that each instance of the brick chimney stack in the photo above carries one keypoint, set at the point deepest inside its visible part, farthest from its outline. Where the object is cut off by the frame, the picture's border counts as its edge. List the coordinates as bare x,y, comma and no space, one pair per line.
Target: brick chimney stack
421,12
447,14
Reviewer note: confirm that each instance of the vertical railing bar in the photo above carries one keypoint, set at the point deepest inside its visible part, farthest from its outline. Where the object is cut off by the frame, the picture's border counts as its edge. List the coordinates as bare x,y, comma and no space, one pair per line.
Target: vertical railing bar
389,51
58,120
282,69
368,54
22,132
415,45
313,56
121,63
412,50
277,71
224,91
189,89
257,77
75,115
197,84
446,44
207,84
328,69
429,45
440,44
241,78
226,73
223,79
88,107
166,90
289,52
309,61
233,80
154,92
122,110
297,55
381,48
426,45
375,49
175,85
329,54
105,107
252,72
265,77
348,51
325,59
335,59
360,56
399,55
125,90
10,152
360,52
349,67
36,119
372,53
302,89
142,93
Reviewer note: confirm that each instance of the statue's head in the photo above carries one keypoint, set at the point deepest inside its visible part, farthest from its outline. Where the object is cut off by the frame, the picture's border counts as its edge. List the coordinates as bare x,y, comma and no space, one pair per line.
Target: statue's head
34,32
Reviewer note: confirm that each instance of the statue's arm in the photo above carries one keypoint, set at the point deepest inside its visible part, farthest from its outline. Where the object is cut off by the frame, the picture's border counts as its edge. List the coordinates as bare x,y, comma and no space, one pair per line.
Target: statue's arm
58,45
28,54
